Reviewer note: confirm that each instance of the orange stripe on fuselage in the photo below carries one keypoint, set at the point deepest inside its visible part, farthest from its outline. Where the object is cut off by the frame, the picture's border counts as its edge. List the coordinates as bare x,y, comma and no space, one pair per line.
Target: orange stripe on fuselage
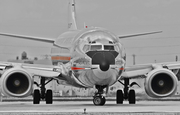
60,58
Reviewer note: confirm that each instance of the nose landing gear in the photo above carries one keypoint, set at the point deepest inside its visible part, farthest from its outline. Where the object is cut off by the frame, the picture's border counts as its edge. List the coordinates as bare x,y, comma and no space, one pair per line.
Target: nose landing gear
99,99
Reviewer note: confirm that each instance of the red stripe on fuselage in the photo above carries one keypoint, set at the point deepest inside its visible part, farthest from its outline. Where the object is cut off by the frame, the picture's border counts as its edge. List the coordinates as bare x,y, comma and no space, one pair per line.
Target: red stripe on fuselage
121,68
77,68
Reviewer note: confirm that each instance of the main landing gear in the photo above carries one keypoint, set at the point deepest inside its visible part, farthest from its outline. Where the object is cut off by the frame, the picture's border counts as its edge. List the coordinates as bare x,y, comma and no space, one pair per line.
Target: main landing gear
128,94
42,93
98,98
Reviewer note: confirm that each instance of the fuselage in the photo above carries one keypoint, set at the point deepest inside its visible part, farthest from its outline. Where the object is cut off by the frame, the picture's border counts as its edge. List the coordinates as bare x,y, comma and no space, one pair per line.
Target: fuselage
97,57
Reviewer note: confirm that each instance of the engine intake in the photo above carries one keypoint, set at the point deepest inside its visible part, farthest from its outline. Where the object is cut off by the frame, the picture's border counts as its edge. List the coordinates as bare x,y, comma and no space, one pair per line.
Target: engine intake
16,82
161,83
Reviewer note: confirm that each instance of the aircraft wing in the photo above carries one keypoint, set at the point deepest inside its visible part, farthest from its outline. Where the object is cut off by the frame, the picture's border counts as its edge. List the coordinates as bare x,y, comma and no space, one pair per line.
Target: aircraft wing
42,70
51,40
17,79
48,71
136,71
140,34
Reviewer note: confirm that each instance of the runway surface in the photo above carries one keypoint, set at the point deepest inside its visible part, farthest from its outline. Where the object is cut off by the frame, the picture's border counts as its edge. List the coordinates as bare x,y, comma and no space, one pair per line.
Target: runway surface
87,107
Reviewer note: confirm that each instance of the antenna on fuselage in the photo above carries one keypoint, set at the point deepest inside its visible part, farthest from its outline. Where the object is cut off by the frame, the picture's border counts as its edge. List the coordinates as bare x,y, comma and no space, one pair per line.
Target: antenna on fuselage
72,16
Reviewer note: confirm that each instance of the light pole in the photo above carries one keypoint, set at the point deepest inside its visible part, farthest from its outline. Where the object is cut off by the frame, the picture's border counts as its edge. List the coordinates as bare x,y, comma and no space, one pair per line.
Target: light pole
134,59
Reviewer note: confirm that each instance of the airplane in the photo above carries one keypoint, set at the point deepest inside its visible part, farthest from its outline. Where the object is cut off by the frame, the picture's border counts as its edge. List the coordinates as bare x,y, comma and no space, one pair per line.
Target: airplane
95,59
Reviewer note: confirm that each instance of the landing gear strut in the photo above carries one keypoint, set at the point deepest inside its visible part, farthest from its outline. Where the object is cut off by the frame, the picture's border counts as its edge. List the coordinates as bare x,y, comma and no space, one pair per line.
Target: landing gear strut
42,93
128,94
98,98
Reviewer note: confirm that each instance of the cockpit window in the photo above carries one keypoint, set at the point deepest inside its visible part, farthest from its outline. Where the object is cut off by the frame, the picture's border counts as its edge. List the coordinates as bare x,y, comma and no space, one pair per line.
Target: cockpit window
86,48
108,47
96,47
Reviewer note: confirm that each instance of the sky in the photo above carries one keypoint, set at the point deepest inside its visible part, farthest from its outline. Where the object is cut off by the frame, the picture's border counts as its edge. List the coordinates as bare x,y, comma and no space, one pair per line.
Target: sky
48,18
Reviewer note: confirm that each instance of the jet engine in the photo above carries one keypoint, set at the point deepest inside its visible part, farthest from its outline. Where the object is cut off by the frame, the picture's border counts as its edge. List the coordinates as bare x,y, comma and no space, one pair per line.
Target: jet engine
16,82
161,82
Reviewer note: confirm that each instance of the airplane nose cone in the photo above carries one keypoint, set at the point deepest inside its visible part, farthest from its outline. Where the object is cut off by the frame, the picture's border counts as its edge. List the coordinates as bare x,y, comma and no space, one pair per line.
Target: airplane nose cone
104,65
103,58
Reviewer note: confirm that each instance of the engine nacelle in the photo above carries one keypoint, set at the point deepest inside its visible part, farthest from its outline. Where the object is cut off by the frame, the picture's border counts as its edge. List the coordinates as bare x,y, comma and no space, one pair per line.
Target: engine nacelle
161,83
16,82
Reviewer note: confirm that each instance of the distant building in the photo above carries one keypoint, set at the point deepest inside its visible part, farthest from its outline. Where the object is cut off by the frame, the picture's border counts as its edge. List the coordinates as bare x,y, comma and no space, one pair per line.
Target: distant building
24,56
25,59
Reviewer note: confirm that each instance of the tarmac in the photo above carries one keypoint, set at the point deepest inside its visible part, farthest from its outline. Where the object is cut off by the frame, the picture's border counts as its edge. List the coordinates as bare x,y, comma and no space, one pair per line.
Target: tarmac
86,107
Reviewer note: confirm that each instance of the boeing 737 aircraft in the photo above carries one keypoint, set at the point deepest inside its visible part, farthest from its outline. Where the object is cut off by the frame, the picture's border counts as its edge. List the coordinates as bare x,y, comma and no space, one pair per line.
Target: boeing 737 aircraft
96,58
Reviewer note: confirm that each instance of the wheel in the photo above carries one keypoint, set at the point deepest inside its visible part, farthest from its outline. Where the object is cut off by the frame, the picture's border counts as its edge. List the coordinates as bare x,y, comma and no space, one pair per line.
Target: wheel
132,97
119,97
49,96
36,96
99,100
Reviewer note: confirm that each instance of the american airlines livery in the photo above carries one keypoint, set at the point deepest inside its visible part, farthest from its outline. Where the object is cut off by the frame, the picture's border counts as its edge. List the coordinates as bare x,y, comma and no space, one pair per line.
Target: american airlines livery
95,58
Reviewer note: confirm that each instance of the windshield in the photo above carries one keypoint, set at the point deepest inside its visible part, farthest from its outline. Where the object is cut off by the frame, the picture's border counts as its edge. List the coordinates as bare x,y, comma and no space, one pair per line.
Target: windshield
108,47
96,47
87,48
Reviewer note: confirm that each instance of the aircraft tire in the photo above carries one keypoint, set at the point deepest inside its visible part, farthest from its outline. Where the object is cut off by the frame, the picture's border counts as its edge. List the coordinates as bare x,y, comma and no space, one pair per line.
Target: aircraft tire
99,100
36,96
132,97
49,99
119,97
